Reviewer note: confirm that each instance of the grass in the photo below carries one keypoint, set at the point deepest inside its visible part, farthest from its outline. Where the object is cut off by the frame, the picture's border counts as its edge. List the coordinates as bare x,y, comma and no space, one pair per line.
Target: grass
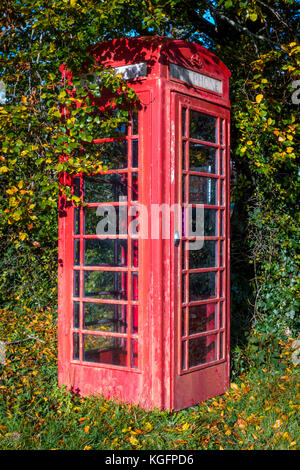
259,412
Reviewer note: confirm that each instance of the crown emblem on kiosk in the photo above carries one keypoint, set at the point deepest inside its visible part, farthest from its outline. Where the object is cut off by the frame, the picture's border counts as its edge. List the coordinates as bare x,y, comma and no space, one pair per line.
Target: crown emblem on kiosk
196,61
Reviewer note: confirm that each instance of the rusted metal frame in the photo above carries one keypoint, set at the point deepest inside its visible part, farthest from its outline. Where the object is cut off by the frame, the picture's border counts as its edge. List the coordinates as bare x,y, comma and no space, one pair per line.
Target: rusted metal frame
211,300
202,334
106,333
104,301
104,365
201,366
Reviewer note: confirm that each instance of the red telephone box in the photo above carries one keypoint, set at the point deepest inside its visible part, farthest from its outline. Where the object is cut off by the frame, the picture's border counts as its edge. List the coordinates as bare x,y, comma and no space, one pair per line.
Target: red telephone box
144,314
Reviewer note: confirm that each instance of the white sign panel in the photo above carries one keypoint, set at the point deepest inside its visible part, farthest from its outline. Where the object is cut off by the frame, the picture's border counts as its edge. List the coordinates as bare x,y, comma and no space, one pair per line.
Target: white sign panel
195,78
129,72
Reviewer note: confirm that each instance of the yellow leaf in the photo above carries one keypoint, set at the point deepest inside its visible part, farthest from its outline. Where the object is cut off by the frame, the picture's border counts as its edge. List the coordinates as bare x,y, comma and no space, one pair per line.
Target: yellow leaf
185,427
22,236
289,149
234,386
24,99
12,201
259,98
12,190
3,169
87,448
277,424
133,441
86,429
242,424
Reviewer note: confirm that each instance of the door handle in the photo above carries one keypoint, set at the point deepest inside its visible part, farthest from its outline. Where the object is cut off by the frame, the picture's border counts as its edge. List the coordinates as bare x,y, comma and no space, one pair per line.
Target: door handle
176,238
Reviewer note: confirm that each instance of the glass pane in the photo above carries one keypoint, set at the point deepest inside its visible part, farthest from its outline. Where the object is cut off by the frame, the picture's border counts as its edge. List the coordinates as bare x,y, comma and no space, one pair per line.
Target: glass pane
210,221
203,190
134,353
221,223
105,220
184,162
183,329
135,154
221,345
76,283
203,158
113,154
105,317
134,286
222,192
202,318
221,283
76,252
76,186
206,257
134,121
183,121
221,131
135,253
202,350
105,285
134,187
75,346
183,250
221,314
183,355
105,188
105,252
202,286
184,180
76,307
76,221
104,349
203,126
222,159
184,288
134,318
221,253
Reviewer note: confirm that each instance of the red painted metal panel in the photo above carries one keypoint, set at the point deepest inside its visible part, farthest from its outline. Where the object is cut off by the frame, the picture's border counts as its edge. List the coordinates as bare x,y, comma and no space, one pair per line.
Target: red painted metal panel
155,376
